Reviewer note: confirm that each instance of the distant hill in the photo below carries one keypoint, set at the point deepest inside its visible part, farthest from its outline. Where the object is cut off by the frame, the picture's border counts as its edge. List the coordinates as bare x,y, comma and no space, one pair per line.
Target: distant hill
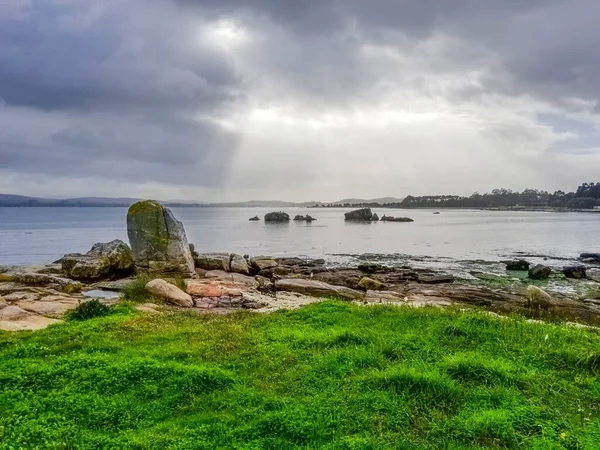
362,201
21,200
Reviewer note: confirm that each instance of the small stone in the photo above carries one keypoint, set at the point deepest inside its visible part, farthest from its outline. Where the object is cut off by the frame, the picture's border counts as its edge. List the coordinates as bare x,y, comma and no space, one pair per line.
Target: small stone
370,284
519,264
538,298
252,305
539,272
239,265
576,272
232,292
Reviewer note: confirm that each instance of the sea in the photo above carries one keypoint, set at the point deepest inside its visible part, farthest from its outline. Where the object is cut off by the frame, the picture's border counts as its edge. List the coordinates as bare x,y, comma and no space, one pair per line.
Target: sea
452,238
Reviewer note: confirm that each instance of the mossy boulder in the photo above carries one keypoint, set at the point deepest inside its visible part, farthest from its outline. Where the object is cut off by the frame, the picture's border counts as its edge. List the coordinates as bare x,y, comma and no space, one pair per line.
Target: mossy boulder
84,267
104,260
158,239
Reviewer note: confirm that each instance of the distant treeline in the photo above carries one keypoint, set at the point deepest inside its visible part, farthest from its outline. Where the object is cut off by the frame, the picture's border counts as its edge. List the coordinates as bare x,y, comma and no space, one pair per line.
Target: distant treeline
587,196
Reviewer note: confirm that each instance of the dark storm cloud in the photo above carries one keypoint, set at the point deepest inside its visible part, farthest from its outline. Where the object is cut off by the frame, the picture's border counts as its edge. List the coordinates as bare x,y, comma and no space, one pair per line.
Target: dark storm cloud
549,48
132,90
125,79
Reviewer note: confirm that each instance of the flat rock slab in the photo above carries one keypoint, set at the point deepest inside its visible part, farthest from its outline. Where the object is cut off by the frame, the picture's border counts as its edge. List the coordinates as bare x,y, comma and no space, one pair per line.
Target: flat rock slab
148,307
317,289
49,309
199,289
234,278
117,285
13,318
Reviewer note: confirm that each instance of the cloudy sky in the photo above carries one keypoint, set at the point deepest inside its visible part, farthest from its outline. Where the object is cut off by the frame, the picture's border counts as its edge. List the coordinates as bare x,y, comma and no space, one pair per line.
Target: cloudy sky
220,100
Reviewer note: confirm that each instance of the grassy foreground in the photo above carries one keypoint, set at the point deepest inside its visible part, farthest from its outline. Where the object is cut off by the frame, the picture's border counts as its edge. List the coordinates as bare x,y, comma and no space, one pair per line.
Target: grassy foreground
332,376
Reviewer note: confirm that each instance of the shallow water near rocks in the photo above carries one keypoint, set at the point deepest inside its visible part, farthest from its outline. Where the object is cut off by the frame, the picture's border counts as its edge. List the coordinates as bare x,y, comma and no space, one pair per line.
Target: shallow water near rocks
98,293
458,241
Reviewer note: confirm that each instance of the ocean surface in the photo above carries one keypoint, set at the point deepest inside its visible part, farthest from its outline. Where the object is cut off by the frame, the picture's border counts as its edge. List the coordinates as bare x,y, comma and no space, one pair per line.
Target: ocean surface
42,235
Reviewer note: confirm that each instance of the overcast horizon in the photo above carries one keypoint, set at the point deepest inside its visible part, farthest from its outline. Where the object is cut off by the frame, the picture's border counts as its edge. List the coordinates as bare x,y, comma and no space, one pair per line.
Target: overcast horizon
232,100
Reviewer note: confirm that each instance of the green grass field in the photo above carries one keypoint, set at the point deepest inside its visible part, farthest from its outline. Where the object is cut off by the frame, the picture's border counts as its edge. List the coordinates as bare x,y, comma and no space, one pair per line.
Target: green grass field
331,376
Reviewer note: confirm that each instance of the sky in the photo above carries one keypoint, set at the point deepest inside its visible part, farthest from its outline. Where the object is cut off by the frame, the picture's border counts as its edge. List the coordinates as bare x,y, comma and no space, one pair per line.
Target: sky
298,100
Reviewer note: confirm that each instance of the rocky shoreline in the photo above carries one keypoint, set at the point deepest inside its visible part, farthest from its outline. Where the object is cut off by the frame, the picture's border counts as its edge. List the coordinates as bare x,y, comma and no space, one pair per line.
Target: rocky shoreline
182,278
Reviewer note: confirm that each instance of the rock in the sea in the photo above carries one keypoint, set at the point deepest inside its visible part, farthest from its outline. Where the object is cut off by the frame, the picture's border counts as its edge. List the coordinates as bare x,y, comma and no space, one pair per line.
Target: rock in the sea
254,219
539,272
170,293
213,261
590,257
238,264
277,217
317,289
396,219
259,263
577,272
370,284
306,218
538,298
360,215
375,218
158,240
517,264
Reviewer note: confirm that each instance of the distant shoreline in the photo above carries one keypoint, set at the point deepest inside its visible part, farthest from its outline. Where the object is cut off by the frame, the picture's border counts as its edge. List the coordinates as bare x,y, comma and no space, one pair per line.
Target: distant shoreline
443,208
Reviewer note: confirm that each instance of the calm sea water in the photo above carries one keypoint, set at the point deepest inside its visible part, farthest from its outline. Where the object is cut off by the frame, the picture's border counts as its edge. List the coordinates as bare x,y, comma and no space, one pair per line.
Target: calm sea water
42,235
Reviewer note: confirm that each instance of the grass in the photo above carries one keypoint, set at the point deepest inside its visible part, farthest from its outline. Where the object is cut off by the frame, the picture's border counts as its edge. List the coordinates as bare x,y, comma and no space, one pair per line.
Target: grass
331,376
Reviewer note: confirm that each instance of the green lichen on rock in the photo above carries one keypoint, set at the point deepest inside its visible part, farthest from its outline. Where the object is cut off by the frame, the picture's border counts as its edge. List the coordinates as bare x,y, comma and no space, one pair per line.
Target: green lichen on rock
157,239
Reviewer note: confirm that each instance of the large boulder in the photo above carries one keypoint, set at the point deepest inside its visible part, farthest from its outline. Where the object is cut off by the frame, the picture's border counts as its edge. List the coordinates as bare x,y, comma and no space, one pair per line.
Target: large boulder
158,240
118,254
170,293
104,260
577,272
539,272
317,289
277,217
85,267
362,215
